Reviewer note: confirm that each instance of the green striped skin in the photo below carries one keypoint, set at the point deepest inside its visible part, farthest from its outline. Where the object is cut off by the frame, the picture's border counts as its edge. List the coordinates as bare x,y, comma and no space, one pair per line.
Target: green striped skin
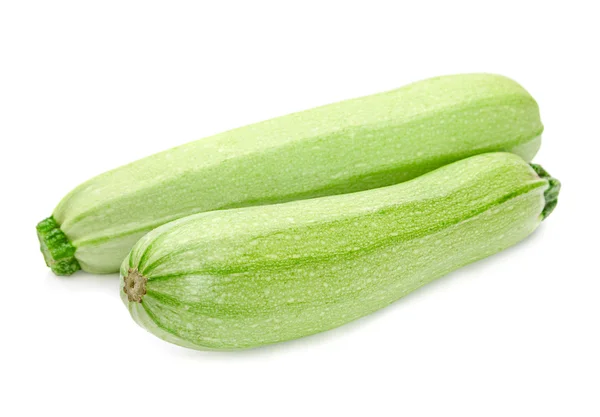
247,277
350,146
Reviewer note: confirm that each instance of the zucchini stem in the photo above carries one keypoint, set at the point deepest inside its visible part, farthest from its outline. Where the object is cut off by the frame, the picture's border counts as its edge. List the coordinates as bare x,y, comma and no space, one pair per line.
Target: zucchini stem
551,193
135,285
59,252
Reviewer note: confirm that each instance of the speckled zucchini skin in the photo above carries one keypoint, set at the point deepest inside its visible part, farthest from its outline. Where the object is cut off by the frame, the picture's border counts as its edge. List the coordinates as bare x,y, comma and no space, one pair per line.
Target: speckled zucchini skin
344,147
247,277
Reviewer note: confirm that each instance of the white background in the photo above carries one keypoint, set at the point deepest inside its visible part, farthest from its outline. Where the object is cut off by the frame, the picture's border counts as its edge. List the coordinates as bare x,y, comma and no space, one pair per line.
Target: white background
88,86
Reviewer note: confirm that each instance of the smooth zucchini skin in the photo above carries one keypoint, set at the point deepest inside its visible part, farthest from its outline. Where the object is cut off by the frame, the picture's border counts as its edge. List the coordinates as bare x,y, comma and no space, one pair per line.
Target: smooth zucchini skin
345,147
247,277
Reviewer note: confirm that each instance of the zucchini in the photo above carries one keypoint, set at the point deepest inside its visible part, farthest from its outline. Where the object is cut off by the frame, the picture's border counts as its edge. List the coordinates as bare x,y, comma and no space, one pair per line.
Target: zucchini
252,276
344,147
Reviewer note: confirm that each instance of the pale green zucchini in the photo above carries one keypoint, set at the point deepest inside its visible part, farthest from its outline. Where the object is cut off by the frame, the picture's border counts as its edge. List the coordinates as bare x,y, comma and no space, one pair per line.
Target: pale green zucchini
247,277
344,147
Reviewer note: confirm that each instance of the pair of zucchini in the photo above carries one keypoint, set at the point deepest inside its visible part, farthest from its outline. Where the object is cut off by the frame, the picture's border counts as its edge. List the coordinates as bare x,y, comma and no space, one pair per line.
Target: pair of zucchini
412,184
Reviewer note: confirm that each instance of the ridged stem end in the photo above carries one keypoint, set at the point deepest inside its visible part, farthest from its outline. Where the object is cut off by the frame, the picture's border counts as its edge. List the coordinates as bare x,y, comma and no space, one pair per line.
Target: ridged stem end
58,251
134,285
551,193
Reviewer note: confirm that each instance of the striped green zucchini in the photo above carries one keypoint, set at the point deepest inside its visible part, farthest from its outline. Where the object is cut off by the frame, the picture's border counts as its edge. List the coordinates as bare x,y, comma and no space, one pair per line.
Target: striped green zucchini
247,277
345,147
